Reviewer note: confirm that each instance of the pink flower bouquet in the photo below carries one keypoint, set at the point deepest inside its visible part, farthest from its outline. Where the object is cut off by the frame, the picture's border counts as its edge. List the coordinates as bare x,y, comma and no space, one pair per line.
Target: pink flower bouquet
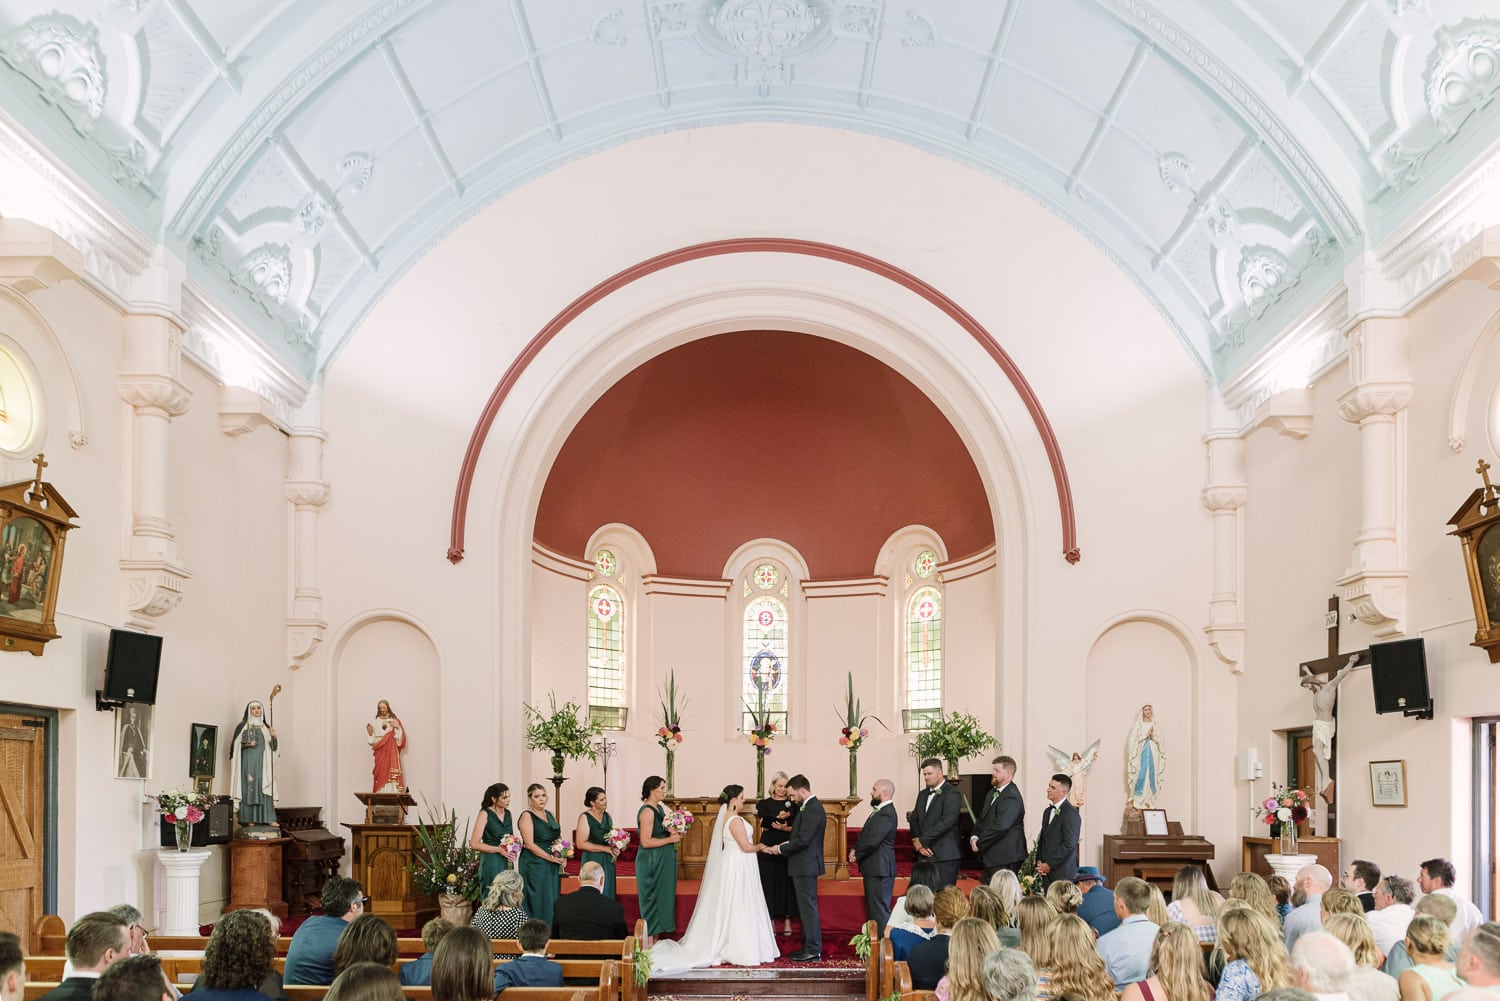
618,840
511,846
678,821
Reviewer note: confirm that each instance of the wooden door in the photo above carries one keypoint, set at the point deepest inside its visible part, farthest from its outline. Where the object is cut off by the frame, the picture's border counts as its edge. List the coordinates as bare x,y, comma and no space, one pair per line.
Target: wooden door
1302,773
23,771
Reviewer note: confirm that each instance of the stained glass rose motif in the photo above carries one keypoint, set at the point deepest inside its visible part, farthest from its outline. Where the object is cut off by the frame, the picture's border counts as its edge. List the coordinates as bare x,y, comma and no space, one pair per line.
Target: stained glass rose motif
766,576
605,563
925,563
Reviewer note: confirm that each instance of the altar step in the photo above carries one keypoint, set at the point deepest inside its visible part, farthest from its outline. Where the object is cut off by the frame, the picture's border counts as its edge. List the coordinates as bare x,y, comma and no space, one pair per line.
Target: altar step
810,981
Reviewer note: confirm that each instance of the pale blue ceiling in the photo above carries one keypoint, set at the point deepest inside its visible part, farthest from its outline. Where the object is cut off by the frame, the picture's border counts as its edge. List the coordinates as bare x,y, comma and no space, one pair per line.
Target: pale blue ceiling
1231,155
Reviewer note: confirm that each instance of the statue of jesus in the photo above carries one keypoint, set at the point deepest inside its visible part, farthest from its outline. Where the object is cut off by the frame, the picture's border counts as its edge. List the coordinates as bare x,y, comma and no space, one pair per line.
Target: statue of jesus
387,739
1325,692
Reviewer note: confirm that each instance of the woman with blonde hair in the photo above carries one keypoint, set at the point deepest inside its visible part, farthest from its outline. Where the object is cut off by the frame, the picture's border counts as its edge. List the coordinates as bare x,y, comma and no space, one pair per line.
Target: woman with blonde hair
1366,983
1008,888
1194,904
1253,890
1035,918
1431,977
1078,972
1176,968
1064,896
969,942
1156,911
985,905
1339,901
500,914
1257,957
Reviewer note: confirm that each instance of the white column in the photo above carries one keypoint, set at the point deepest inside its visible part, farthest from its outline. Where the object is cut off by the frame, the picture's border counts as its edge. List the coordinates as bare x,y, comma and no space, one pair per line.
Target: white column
307,492
1375,583
183,871
1224,494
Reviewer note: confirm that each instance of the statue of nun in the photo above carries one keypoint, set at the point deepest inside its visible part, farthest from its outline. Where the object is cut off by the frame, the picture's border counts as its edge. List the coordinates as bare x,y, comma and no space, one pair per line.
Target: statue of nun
253,782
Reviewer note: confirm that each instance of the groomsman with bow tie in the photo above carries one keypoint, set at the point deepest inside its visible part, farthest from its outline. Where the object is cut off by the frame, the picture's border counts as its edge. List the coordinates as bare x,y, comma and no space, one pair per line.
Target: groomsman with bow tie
1057,848
934,822
999,831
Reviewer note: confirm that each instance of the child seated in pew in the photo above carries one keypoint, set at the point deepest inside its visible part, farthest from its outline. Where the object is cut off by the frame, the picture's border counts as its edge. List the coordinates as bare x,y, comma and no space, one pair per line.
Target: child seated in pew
365,981
532,968
418,972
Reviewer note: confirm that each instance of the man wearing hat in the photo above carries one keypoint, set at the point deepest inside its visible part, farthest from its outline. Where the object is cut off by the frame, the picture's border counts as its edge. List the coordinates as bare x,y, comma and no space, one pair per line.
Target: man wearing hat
1098,907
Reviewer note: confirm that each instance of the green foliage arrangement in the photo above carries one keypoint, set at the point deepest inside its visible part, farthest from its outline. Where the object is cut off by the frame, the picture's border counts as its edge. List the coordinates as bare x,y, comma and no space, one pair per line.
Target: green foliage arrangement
642,968
861,944
567,732
953,737
444,862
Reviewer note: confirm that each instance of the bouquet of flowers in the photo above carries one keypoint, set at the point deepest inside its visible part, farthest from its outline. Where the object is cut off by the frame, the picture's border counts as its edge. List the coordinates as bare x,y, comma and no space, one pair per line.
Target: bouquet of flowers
1285,805
618,839
669,734
678,821
179,807
563,849
511,845
1031,880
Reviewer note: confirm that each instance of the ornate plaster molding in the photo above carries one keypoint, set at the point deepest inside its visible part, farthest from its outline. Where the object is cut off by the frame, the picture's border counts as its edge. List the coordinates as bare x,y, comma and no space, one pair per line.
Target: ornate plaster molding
152,589
303,637
308,493
1375,399
564,566
1378,598
243,410
857,587
1224,495
148,391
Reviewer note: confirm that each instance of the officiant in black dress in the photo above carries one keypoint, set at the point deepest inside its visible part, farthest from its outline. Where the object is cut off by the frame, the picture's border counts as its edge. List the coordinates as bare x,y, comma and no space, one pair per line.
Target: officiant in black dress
776,813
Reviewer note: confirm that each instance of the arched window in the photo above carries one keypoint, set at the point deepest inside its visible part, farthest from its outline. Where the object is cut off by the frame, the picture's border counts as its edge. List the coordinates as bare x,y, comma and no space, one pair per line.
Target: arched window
606,651
766,649
924,646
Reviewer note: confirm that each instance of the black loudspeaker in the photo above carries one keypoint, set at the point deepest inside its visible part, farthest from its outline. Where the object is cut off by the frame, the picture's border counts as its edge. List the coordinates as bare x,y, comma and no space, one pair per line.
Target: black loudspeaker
216,828
1398,672
130,671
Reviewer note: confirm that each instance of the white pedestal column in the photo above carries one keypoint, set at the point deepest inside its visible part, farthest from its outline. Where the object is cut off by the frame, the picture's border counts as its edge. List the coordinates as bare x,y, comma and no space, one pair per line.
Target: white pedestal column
182,871
1287,866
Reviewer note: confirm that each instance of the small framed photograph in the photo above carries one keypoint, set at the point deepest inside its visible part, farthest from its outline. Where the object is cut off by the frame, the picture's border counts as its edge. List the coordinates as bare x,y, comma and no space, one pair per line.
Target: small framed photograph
1156,823
133,741
203,785
1388,783
203,751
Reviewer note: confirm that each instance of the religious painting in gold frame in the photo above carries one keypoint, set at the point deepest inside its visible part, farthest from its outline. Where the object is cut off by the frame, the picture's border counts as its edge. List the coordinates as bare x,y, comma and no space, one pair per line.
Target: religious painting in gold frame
1477,526
34,523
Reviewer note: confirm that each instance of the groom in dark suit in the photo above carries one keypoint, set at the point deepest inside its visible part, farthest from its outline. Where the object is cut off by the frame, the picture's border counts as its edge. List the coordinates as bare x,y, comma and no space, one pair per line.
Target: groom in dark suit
804,852
1057,847
875,854
934,822
999,832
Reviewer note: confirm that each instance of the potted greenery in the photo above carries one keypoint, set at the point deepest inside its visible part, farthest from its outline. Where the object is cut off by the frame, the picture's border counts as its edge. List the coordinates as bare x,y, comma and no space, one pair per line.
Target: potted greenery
953,738
446,866
567,732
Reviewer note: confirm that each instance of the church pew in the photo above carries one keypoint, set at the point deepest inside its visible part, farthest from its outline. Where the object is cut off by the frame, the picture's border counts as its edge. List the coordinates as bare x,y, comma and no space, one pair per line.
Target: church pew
872,965
35,989
904,988
608,989
887,968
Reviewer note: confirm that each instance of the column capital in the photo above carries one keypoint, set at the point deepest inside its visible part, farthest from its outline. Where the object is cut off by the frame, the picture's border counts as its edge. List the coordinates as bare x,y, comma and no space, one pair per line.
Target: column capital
308,493
1374,399
153,391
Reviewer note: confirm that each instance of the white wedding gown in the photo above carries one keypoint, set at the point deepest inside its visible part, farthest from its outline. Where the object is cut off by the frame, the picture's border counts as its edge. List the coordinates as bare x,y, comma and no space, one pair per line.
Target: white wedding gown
730,923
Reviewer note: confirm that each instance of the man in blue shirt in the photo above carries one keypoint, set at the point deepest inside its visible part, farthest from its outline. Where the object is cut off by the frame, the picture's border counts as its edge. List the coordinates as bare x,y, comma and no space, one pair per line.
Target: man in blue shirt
1126,951
309,959
1098,906
1312,882
532,968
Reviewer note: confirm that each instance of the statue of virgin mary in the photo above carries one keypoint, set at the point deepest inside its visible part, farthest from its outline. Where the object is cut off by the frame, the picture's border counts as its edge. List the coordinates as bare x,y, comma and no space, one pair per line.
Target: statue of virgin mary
1144,761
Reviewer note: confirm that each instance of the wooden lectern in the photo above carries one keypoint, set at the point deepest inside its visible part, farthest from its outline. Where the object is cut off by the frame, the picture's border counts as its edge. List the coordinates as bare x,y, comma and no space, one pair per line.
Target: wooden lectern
384,849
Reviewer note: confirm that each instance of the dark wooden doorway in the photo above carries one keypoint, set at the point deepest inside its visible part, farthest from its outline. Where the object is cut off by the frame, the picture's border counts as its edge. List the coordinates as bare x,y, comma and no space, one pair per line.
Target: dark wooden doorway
1302,773
24,836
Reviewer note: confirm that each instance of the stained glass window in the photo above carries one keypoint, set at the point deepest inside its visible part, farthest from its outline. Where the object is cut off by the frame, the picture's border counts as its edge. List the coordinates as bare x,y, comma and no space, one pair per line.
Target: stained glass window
605,563
606,654
766,576
925,563
924,653
766,656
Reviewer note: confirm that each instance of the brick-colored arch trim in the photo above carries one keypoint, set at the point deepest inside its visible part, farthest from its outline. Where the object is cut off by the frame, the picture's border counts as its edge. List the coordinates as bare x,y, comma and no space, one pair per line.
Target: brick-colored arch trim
764,245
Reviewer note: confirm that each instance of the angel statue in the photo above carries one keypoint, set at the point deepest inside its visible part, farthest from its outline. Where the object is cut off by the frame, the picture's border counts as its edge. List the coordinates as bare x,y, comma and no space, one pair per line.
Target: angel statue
1144,761
1075,766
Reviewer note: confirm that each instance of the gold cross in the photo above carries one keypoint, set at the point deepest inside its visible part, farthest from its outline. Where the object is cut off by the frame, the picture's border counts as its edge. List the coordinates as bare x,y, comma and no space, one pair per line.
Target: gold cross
41,463
1483,469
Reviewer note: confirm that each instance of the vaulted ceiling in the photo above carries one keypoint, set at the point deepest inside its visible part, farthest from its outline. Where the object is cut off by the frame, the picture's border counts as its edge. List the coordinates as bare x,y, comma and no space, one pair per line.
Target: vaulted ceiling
1232,155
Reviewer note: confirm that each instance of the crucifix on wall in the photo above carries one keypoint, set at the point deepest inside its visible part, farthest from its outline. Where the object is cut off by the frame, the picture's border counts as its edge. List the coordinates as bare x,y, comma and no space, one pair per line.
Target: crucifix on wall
1322,677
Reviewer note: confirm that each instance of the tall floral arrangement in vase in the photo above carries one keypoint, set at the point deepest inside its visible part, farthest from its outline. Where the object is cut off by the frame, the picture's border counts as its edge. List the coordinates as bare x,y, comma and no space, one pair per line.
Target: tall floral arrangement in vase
1282,811
853,733
762,732
182,810
669,733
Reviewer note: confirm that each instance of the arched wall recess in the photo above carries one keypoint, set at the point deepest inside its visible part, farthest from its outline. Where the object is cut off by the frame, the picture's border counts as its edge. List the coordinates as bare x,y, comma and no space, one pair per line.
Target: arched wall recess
48,347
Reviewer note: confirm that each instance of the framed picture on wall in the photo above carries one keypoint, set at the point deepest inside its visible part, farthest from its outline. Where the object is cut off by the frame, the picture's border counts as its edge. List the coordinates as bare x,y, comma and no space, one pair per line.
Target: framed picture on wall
1388,783
133,741
1156,823
203,751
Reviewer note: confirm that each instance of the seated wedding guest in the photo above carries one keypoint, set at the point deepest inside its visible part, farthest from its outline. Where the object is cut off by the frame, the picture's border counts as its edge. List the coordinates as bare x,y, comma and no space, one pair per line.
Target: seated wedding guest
1282,891
131,915
1256,957
418,973
532,968
1366,983
1340,901
1035,918
1431,977
1078,972
1064,897
1009,975
368,939
923,873
985,905
1194,904
1479,958
271,987
12,968
239,956
95,943
918,907
1157,909
1127,950
928,960
1312,882
1392,913
463,967
309,959
1359,878
365,982
1434,905
1253,890
971,940
500,915
1098,904
1007,887
588,913
1321,965
1176,969
134,978
1437,875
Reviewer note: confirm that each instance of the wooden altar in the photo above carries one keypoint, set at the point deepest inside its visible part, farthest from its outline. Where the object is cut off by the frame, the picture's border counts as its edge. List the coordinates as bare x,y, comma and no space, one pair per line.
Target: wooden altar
382,859
692,854
1253,852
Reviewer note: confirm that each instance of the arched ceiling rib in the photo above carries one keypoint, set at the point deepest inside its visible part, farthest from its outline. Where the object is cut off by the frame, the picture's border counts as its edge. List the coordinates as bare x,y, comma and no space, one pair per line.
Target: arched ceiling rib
1231,155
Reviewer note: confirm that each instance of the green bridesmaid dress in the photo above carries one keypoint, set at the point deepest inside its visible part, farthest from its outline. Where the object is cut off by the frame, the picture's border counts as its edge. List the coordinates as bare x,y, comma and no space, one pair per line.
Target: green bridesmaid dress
656,879
492,864
597,834
541,878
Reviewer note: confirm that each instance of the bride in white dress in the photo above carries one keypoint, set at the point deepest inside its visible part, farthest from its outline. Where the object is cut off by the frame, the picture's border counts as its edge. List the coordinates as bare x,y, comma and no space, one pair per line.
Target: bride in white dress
730,923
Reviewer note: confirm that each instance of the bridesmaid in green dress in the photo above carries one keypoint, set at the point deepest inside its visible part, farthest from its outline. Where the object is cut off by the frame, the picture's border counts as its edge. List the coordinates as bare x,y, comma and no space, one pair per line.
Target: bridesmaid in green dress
594,825
540,869
656,862
492,824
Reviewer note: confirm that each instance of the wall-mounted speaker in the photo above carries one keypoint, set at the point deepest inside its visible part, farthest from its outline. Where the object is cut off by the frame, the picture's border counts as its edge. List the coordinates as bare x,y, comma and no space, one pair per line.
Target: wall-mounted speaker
1398,673
131,667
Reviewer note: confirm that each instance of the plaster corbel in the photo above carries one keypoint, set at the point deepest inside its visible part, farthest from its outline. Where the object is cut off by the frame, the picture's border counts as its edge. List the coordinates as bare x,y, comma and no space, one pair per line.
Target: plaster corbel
33,257
1289,413
243,410
1479,259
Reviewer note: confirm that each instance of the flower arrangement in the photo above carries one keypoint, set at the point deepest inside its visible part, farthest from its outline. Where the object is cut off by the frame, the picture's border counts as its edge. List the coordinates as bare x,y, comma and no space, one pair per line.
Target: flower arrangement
511,846
953,738
1285,805
567,732
444,862
678,821
861,944
178,807
853,733
618,839
563,849
669,733
1030,879
762,731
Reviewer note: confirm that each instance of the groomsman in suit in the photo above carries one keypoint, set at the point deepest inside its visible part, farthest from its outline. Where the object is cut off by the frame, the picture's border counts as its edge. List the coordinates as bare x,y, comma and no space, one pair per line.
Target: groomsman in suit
934,822
1057,851
999,832
804,852
875,854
